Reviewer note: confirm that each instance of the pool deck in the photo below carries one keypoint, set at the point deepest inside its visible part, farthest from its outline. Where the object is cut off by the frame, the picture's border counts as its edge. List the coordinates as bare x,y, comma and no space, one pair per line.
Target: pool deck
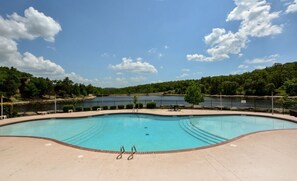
270,155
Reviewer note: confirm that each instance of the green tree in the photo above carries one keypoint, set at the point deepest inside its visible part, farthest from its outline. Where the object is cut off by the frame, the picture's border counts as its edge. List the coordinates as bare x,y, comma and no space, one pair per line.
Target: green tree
194,95
291,87
269,88
11,85
30,91
229,87
135,100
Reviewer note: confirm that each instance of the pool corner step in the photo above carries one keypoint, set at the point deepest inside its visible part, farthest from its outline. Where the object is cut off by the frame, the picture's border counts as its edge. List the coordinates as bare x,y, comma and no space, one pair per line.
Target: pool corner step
200,134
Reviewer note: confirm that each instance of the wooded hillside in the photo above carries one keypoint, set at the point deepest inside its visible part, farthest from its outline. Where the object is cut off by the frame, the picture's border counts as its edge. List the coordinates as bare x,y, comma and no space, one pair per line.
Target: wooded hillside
279,78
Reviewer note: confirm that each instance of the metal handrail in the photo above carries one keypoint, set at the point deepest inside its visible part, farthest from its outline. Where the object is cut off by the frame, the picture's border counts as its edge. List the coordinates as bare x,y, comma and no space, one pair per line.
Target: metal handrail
122,151
133,151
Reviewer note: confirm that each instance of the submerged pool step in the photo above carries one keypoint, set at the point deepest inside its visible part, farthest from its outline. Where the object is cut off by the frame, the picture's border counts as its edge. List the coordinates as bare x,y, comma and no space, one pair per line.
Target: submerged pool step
219,138
87,134
70,139
200,134
194,134
96,128
208,134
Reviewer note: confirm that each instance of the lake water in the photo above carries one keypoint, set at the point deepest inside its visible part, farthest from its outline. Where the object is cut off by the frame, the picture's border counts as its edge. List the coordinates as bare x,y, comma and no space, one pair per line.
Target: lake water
178,100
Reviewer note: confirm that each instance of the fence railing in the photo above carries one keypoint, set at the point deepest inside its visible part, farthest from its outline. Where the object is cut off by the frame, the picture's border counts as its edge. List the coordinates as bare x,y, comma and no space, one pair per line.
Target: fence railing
251,104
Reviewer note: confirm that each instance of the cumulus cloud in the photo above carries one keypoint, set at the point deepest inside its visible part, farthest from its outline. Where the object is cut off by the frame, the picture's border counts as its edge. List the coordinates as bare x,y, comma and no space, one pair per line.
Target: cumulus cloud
256,21
138,66
260,67
32,25
183,75
243,66
263,60
292,8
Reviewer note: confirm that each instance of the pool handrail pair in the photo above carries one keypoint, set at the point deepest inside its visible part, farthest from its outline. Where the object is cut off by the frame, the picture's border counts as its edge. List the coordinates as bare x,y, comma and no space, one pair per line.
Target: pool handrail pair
122,151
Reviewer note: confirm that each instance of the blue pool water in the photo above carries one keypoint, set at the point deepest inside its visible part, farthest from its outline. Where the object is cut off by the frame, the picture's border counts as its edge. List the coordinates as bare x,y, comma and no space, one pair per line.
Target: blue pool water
149,133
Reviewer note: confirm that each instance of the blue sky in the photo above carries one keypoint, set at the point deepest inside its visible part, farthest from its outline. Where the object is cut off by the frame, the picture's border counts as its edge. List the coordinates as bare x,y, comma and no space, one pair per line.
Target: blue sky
112,43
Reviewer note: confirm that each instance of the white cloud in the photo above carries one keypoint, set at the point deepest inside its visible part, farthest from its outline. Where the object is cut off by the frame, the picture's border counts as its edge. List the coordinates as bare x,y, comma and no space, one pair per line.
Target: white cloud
185,70
138,79
152,50
260,67
40,66
166,47
120,79
108,55
183,75
156,52
34,24
256,21
197,73
271,58
137,66
238,72
243,66
292,8
51,48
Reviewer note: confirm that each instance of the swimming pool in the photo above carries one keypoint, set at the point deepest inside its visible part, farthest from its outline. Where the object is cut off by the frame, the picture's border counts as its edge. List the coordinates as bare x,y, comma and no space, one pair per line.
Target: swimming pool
149,133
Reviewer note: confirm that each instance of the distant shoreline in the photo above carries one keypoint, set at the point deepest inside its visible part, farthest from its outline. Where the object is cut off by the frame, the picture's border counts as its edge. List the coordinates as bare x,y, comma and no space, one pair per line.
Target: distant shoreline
223,96
69,100
50,101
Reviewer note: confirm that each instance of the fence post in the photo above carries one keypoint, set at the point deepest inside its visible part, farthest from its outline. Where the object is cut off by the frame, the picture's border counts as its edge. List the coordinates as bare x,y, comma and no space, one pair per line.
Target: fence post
272,111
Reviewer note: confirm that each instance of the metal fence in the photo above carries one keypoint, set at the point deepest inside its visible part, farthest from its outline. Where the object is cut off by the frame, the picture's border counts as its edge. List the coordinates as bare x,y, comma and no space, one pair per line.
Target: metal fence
248,104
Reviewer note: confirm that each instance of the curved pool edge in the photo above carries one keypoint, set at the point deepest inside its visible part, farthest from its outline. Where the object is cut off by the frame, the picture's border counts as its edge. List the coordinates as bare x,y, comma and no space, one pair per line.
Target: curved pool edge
184,113
153,152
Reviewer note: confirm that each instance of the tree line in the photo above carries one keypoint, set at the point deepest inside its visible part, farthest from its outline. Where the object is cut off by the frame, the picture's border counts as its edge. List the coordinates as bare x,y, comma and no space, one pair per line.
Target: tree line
280,79
14,83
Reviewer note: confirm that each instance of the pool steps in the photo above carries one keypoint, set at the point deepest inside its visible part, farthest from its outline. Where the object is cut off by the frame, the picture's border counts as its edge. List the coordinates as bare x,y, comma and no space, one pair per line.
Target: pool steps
76,136
88,133
200,134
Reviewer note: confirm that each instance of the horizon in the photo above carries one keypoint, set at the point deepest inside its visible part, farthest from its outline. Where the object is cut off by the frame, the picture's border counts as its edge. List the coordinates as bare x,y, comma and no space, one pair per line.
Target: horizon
113,44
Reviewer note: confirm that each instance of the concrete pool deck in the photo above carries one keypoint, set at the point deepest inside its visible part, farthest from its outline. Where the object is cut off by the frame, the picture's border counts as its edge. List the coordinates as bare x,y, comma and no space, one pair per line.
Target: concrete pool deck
270,155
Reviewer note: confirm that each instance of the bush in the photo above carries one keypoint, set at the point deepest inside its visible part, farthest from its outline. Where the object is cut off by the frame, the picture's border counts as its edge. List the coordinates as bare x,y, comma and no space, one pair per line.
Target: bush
113,107
129,106
87,109
105,107
139,105
66,108
94,108
79,108
121,107
9,111
151,105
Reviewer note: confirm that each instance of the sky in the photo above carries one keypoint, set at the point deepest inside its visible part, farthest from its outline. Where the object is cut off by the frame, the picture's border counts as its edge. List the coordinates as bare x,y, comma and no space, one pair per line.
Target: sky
113,43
